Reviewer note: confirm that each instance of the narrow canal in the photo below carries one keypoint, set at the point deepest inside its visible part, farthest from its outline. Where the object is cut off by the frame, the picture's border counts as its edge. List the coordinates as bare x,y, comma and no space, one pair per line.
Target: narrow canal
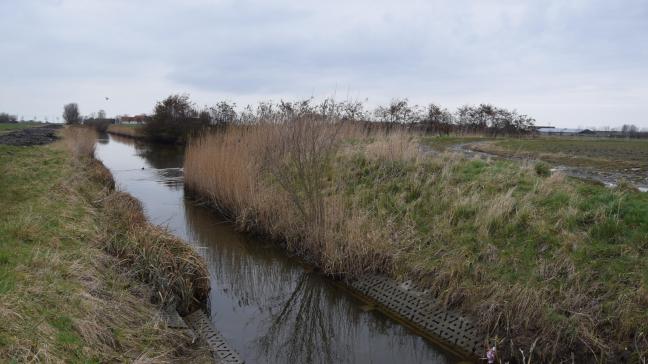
270,308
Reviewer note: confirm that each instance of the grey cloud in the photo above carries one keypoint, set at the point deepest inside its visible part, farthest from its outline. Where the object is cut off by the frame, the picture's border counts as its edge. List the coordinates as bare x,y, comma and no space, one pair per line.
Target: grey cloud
520,54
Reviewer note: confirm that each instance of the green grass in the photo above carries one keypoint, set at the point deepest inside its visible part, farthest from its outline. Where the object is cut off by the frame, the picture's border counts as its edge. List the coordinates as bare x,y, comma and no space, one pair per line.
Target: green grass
61,299
6,128
604,153
476,230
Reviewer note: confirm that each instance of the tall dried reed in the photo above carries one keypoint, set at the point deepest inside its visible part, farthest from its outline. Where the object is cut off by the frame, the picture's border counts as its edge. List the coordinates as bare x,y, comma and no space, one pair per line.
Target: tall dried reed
80,140
272,177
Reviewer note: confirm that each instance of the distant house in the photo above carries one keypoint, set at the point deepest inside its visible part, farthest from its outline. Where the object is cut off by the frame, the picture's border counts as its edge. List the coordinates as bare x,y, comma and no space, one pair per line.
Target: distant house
564,131
137,119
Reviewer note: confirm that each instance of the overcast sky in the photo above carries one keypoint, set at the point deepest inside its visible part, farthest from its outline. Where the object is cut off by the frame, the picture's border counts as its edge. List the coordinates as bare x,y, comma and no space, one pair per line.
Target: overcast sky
564,62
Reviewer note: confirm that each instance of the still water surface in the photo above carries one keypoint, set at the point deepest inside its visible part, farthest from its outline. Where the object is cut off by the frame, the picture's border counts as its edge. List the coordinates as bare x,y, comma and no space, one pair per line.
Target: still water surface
268,306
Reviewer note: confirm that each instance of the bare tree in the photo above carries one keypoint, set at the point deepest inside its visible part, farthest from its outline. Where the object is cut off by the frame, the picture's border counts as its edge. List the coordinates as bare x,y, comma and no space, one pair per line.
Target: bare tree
353,111
629,129
247,116
437,119
223,113
398,112
71,113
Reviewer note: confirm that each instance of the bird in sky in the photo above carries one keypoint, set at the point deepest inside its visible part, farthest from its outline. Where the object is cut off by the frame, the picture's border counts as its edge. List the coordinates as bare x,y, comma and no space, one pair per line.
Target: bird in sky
107,98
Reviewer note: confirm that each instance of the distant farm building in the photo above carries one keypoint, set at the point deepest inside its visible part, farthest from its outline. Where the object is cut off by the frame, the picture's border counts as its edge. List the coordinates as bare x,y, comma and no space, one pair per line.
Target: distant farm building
564,131
137,119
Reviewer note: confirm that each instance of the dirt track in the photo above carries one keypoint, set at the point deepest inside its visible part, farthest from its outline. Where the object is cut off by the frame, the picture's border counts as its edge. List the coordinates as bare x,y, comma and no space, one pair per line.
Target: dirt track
31,136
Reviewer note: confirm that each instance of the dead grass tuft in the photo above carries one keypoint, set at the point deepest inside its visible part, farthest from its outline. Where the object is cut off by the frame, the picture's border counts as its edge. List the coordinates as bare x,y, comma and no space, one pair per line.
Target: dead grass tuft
80,140
179,276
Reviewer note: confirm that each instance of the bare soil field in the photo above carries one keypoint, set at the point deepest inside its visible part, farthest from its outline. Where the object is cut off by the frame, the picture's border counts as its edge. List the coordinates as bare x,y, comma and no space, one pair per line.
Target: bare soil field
609,161
31,135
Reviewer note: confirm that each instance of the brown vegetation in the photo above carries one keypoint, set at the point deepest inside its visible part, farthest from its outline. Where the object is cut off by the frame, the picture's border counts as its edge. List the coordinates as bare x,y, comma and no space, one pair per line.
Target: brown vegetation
533,258
81,141
178,275
230,169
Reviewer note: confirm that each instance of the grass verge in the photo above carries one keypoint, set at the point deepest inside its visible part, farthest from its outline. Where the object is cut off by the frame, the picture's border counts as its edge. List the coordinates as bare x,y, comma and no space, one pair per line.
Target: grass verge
131,131
539,261
62,298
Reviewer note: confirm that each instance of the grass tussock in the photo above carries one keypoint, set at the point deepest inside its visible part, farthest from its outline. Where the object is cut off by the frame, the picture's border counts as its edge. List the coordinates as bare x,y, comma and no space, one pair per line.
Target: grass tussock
179,276
62,298
537,259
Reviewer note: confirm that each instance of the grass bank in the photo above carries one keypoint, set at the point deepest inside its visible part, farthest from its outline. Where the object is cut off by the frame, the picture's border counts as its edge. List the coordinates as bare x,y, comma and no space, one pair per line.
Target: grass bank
539,261
131,131
63,298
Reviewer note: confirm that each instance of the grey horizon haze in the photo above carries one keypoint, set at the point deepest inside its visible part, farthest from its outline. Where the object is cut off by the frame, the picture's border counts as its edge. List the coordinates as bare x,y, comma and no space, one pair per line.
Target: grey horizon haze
567,63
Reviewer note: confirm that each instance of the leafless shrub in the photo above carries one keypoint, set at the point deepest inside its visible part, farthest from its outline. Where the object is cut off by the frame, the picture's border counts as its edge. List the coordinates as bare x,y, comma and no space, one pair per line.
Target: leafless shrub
71,113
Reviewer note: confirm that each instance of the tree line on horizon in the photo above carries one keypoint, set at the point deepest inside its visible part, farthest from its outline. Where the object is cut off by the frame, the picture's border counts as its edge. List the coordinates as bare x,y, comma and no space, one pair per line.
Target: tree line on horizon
176,116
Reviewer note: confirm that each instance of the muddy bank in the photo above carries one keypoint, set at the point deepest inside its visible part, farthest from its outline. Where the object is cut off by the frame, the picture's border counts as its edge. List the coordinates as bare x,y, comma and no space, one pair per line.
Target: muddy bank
31,136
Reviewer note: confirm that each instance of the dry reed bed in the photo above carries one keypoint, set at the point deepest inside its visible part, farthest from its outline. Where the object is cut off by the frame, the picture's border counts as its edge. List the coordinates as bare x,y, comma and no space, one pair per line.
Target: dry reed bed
272,180
518,251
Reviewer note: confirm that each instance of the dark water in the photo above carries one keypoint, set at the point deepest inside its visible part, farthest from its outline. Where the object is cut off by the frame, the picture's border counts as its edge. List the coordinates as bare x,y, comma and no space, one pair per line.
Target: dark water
267,306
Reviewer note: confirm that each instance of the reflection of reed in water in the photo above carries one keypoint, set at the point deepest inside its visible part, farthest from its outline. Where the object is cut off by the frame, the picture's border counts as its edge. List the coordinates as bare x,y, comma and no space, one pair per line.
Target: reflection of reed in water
248,271
320,324
308,326
171,177
166,160
302,317
160,156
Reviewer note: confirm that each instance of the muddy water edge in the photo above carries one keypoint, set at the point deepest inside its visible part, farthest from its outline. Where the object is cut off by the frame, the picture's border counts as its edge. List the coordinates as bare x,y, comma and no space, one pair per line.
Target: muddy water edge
269,307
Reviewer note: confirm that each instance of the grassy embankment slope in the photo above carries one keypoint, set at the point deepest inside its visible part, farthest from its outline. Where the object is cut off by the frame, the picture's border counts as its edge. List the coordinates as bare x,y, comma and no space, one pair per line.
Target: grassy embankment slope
600,153
532,258
127,130
62,297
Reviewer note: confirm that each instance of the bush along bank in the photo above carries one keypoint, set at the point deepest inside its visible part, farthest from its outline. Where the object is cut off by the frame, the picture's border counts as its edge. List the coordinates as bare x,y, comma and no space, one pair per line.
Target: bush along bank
538,261
63,298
